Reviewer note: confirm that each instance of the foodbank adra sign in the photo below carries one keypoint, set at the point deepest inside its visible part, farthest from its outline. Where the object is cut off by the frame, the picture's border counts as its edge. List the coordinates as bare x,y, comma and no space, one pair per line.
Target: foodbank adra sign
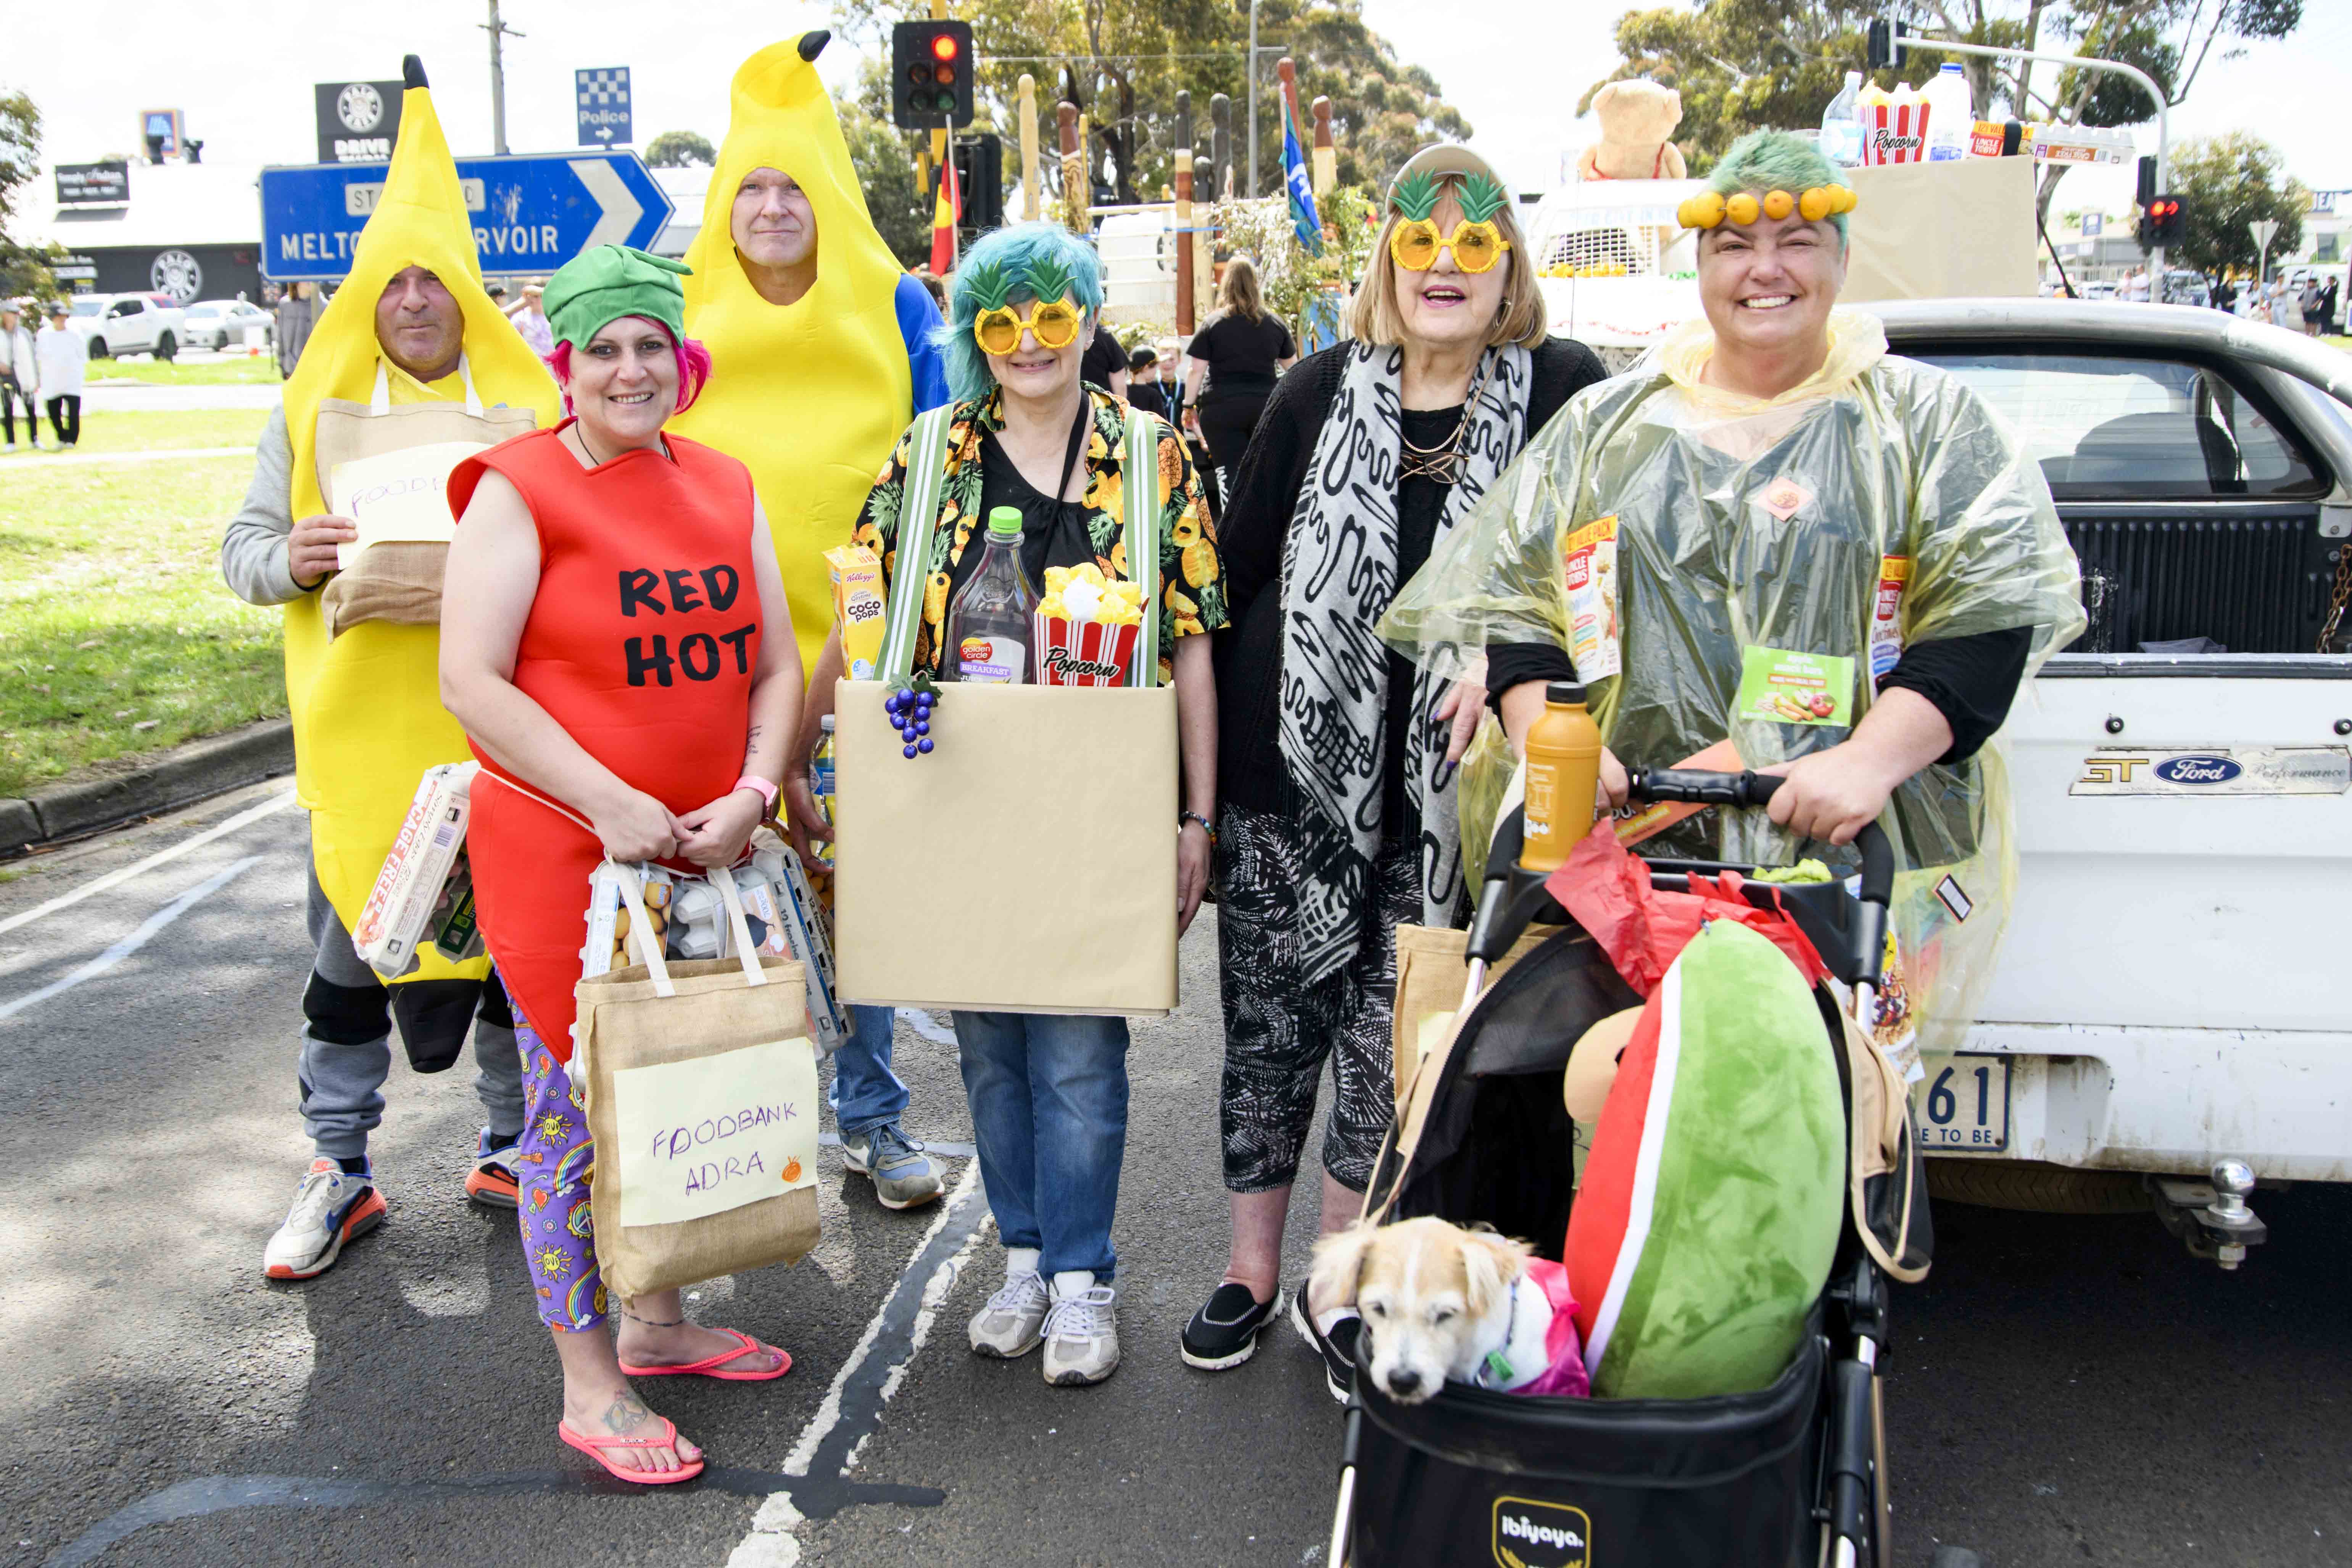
358,121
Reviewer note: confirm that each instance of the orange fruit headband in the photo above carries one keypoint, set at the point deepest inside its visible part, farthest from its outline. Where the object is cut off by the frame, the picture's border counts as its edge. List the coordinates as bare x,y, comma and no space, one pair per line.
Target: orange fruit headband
1709,208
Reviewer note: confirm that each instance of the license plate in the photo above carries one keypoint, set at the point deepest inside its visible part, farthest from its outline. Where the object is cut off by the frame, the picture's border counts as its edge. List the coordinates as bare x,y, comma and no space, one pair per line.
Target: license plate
1963,1103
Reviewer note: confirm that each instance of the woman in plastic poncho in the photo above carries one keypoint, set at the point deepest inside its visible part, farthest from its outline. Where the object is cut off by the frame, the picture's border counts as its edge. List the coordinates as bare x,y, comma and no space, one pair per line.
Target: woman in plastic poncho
1775,532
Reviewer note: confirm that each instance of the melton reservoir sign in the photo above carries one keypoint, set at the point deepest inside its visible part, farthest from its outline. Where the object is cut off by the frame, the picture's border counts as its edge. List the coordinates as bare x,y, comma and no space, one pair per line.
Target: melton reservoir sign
531,213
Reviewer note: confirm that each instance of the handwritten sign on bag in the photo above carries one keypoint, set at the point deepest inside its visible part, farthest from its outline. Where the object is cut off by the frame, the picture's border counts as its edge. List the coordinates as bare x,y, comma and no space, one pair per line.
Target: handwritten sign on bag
698,1138
398,494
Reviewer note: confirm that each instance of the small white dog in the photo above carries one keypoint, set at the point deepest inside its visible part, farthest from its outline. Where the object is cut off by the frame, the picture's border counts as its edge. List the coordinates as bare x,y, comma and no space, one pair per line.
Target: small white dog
1442,1303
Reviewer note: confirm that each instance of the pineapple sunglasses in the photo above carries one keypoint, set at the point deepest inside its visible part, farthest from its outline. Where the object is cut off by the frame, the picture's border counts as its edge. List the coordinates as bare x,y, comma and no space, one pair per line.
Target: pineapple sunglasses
1477,246
1055,324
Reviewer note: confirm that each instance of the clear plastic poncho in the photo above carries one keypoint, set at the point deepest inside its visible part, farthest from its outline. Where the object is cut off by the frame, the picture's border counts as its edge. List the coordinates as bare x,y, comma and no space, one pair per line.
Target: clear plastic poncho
1719,566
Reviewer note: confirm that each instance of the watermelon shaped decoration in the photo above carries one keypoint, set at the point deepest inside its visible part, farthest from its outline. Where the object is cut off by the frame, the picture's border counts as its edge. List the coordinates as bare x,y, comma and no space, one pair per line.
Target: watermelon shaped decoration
1715,1193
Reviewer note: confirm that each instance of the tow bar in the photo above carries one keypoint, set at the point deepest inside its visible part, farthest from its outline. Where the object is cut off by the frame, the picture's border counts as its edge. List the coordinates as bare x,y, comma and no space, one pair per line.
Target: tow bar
2212,1218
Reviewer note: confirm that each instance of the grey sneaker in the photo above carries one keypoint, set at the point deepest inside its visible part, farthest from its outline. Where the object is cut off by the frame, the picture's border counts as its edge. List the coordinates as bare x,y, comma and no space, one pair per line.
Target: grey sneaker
1081,1331
1008,1327
903,1175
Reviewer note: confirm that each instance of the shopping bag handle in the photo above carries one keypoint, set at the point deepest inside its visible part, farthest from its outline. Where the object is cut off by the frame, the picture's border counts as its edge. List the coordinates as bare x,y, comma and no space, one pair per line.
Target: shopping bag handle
649,952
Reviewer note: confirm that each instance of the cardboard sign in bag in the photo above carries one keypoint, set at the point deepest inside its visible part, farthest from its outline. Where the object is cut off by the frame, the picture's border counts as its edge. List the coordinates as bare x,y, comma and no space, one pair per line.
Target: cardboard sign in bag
702,1097
1027,863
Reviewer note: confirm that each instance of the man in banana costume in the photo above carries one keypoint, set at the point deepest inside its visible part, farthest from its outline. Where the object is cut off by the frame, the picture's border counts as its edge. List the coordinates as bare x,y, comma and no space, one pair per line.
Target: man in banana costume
411,353
822,352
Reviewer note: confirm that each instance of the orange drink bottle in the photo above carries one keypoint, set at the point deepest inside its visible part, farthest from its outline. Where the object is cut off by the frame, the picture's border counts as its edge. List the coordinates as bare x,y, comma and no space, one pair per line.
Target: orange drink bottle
1563,777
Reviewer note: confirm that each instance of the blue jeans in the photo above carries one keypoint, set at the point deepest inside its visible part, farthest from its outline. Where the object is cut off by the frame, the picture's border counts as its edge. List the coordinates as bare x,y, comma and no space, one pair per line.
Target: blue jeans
866,1093
1048,1097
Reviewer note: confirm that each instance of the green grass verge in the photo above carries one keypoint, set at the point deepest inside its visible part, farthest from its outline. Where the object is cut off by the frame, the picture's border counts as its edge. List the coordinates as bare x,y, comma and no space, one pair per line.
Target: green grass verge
176,430
242,371
117,635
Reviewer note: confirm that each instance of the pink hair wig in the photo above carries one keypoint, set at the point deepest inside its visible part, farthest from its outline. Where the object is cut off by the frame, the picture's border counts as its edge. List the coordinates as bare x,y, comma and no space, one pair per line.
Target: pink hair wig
693,370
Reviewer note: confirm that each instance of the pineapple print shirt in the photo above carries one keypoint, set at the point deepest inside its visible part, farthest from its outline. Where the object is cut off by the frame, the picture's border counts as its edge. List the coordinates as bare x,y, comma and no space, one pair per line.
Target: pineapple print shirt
1193,588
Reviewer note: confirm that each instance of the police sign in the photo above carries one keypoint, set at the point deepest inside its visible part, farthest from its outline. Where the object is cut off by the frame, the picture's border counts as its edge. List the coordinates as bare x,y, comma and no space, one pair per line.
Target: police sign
531,213
358,121
603,99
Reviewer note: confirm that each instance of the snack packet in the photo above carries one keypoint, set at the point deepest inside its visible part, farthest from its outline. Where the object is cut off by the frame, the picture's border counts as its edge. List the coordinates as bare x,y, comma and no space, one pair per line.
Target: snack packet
858,608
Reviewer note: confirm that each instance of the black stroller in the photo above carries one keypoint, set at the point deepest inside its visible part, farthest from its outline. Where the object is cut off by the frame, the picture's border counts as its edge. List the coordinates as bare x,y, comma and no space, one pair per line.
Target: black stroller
1790,1477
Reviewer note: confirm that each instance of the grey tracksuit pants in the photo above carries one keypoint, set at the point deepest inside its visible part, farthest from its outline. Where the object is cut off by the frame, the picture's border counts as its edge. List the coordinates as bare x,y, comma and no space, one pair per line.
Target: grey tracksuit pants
347,1043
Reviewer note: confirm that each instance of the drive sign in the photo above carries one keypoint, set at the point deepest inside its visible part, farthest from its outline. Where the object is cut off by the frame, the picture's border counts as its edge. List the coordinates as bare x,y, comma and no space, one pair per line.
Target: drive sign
531,213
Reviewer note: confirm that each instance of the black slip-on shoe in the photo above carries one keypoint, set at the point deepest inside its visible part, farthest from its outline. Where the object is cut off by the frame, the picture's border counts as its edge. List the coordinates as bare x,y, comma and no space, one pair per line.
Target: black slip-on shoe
1224,1332
1337,1348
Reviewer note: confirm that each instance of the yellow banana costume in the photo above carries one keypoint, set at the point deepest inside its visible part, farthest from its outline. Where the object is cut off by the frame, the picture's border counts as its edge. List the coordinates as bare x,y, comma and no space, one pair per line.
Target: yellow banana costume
812,396
367,711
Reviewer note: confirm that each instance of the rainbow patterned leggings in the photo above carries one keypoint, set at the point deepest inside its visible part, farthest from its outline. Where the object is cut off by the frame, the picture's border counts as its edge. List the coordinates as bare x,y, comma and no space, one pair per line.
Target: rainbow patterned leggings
551,1170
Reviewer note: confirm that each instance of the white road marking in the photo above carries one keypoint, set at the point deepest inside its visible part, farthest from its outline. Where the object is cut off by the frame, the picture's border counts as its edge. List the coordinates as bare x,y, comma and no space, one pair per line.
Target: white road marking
147,932
116,878
770,1542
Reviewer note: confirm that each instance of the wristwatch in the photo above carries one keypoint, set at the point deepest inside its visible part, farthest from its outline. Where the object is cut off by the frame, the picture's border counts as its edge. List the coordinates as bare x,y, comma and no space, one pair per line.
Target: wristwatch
767,791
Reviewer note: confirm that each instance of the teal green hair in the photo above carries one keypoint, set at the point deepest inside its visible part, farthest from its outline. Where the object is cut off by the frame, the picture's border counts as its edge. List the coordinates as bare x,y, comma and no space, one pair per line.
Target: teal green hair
1000,264
1764,161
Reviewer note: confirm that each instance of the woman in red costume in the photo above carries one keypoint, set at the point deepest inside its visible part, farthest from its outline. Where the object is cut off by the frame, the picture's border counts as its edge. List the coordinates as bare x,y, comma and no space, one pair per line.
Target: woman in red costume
615,641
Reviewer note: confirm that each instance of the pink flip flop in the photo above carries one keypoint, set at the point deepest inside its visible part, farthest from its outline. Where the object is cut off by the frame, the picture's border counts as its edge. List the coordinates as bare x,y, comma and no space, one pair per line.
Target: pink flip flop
687,1468
709,1366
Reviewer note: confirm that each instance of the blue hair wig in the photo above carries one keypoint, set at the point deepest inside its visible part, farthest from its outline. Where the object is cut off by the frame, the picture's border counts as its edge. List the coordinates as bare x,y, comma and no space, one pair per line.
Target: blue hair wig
1011,248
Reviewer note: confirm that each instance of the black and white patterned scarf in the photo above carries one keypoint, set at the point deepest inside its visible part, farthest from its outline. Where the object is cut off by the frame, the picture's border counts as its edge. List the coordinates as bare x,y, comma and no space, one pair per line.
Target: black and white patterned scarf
1338,575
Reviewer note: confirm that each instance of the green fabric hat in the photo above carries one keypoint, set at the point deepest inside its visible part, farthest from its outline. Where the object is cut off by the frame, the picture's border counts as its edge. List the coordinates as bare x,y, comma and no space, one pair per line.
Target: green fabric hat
603,285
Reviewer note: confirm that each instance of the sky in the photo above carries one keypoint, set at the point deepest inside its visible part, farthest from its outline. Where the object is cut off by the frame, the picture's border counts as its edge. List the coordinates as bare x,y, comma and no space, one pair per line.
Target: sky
1515,74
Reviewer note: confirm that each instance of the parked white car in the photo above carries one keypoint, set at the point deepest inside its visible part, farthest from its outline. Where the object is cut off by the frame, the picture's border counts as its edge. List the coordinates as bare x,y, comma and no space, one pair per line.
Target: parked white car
222,323
2167,1024
116,324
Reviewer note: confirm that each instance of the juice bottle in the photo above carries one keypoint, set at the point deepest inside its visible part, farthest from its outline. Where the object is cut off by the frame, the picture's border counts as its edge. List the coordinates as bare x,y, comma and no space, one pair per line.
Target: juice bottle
988,624
1951,114
1563,777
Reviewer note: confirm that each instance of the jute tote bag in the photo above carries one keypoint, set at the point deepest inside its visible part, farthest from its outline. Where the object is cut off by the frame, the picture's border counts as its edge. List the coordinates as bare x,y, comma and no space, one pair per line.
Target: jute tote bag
1028,863
702,1097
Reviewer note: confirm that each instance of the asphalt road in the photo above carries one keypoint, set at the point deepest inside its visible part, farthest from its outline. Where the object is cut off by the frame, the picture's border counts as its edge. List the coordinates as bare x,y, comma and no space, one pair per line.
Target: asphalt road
2064,1390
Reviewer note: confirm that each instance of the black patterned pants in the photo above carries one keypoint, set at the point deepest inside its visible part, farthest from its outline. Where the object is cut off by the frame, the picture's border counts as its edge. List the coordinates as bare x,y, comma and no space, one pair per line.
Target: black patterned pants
1279,1027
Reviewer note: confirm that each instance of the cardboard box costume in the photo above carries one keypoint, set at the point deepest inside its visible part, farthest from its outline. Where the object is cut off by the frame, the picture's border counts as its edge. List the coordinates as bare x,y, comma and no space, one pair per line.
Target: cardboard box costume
366,706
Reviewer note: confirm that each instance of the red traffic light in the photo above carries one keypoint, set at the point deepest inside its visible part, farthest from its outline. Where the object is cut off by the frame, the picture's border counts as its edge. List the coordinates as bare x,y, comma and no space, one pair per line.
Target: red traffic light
943,46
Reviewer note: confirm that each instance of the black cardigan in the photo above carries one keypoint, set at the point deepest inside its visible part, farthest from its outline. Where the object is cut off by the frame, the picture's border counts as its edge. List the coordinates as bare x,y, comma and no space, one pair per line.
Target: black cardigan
1264,498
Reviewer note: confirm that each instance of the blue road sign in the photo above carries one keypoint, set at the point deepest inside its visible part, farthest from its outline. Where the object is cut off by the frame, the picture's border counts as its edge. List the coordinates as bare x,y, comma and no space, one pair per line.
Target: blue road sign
531,213
603,98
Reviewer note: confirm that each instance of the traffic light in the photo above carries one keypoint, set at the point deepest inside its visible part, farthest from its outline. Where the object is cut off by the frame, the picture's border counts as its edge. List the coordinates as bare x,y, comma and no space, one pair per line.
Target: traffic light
2164,221
930,75
1885,44
980,179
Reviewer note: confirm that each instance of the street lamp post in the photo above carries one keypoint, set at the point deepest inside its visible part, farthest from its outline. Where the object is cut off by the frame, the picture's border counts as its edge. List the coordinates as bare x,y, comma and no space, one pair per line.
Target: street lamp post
2264,229
1252,101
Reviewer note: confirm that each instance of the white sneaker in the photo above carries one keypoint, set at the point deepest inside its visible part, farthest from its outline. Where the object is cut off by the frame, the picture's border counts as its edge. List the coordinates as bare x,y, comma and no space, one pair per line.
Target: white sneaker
1081,1331
330,1207
1008,1327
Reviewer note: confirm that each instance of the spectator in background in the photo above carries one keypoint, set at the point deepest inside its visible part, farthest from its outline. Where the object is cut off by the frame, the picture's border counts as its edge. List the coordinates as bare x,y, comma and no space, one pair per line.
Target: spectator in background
2286,306
1238,350
63,359
1145,389
935,285
529,318
298,314
2328,298
2307,301
19,376
1105,364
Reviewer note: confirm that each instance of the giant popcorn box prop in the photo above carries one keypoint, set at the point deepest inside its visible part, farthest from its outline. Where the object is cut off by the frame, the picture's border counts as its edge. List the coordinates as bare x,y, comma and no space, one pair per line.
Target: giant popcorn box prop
1893,129
1086,628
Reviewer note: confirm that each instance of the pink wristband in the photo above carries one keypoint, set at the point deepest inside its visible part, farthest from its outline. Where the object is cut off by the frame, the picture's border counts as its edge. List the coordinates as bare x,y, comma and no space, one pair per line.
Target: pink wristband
767,791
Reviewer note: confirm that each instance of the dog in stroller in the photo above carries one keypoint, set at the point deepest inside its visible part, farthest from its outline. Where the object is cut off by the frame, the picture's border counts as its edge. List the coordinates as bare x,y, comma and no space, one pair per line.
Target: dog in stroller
1445,1470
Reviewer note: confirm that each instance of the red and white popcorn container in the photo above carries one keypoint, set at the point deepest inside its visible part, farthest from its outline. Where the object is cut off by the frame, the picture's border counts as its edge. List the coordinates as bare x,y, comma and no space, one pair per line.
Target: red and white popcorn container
1894,128
1084,653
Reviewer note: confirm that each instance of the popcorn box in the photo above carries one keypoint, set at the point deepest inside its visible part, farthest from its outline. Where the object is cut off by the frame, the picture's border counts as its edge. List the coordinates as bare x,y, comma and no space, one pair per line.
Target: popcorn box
1895,132
1083,653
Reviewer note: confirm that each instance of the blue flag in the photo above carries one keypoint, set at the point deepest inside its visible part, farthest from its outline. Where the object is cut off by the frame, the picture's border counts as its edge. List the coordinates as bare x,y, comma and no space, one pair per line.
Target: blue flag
1303,216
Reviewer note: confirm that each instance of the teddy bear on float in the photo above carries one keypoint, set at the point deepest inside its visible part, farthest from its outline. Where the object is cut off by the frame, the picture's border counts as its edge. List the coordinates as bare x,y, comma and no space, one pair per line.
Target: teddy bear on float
1637,121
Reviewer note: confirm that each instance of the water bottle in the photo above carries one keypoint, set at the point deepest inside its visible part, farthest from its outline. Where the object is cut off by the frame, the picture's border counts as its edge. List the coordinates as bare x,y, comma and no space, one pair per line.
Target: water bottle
1951,114
1841,140
821,768
989,618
